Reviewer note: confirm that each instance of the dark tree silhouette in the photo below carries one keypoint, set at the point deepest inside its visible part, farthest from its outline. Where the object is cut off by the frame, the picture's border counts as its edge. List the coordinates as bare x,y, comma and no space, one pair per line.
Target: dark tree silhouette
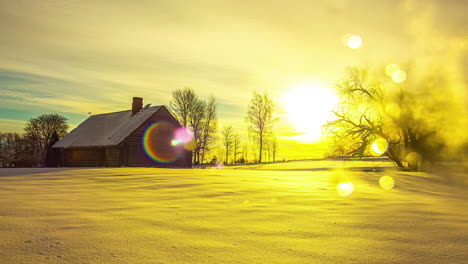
52,158
15,150
39,131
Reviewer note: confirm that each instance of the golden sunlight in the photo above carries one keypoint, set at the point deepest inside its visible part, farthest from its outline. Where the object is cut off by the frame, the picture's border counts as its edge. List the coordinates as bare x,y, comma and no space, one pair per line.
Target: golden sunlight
345,189
353,41
308,109
399,76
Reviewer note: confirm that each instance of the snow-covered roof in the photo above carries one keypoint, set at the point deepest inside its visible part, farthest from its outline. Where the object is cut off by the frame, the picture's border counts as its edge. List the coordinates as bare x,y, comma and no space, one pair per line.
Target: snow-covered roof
106,129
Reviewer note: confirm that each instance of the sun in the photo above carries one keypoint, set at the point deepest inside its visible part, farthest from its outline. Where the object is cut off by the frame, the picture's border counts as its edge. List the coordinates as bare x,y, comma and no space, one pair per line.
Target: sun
354,42
308,108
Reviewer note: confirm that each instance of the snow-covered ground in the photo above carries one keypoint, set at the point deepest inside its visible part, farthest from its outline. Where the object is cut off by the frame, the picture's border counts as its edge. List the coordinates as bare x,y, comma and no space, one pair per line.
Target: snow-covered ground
273,214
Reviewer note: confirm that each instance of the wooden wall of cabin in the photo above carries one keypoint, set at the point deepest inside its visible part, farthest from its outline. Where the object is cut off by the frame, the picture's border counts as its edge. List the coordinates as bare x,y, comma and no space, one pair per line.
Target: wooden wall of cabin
91,157
133,153
112,157
84,157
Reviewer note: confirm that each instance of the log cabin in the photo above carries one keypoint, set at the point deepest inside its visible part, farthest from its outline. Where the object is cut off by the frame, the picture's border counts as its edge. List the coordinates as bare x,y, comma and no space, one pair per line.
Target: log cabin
125,139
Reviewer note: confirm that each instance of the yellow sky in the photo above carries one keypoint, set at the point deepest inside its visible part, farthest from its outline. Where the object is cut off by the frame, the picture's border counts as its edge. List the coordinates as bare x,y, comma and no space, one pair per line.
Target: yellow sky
75,57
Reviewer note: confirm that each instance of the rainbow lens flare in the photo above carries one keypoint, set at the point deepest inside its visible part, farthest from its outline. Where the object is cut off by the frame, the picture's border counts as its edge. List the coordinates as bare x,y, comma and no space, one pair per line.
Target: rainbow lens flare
184,136
158,142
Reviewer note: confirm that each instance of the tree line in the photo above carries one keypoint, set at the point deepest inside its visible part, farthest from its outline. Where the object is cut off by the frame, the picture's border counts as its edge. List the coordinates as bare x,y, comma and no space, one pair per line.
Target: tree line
30,148
200,117
234,151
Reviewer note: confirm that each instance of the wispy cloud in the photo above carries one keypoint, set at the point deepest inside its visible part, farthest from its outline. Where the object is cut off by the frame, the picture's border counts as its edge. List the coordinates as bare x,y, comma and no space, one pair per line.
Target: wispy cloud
9,125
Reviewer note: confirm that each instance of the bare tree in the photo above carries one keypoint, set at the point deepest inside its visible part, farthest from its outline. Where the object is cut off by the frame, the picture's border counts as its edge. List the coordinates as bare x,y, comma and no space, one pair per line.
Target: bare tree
254,152
227,141
236,147
209,126
7,154
274,147
267,144
39,130
182,104
15,150
260,115
245,153
198,115
271,147
358,122
368,111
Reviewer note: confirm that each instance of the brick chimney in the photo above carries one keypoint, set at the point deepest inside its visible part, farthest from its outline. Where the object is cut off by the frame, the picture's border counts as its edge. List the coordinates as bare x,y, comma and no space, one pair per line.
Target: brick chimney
137,105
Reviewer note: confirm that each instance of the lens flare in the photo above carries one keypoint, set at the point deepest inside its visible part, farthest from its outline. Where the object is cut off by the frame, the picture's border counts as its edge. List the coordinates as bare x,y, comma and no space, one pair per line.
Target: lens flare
399,76
386,182
184,136
175,142
379,147
159,144
345,189
391,68
352,41
414,160
192,145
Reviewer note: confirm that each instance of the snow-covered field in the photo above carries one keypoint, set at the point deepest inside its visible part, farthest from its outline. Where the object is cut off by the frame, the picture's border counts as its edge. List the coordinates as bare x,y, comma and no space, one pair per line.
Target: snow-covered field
276,213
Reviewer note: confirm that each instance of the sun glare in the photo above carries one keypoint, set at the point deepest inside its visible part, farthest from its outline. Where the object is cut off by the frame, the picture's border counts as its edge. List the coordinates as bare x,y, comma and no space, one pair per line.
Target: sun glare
379,147
352,41
399,76
345,189
395,72
308,109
